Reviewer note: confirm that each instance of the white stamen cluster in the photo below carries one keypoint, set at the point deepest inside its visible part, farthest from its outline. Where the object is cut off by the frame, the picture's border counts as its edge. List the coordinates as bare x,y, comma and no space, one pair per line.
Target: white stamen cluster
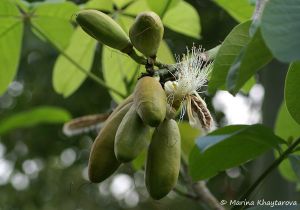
192,74
192,71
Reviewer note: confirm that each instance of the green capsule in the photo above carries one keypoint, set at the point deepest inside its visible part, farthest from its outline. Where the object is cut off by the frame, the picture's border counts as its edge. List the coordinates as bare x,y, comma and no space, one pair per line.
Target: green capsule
103,28
132,137
163,160
150,100
146,33
102,162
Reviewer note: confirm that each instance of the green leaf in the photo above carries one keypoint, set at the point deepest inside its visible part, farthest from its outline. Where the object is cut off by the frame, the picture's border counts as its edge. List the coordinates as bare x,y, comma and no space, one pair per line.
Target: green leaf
240,10
295,162
23,5
188,138
38,115
230,49
121,3
164,53
137,7
67,76
248,85
139,162
118,71
291,91
287,129
286,170
104,5
183,18
253,56
280,26
162,6
125,22
54,20
11,33
229,147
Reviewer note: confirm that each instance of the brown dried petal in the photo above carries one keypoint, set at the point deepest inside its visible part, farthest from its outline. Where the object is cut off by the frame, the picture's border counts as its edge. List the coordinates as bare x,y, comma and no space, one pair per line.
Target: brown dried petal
199,108
84,124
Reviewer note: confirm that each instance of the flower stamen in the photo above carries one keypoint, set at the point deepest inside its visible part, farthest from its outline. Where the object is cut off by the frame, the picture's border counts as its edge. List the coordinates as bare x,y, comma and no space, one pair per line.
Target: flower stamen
191,77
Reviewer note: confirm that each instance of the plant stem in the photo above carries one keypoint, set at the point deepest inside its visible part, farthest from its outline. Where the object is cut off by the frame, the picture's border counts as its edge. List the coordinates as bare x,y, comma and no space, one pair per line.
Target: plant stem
88,73
200,189
184,194
274,165
138,59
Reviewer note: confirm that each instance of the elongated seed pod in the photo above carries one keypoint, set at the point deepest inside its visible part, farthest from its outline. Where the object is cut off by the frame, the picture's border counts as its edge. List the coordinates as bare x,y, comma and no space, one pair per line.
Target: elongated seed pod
146,33
102,162
163,160
150,100
103,28
132,136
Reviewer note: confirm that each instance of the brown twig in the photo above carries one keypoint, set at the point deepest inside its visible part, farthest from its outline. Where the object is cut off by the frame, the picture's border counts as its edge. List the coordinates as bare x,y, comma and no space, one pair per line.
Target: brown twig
202,193
185,194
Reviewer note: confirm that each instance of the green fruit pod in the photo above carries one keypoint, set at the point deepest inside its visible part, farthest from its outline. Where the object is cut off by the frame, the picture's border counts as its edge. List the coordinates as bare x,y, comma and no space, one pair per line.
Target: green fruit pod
150,100
132,137
103,28
102,161
163,160
146,33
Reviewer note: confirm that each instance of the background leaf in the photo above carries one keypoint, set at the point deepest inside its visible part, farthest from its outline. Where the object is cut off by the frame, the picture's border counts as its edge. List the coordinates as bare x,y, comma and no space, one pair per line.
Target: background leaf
125,22
106,5
291,91
11,32
288,129
187,23
248,85
38,115
119,70
121,3
139,162
54,20
67,77
254,56
240,10
165,54
295,162
162,6
137,7
188,138
228,147
230,49
280,26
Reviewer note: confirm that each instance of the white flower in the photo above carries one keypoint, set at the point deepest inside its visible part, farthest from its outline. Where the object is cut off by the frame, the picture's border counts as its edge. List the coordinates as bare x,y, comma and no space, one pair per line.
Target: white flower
191,76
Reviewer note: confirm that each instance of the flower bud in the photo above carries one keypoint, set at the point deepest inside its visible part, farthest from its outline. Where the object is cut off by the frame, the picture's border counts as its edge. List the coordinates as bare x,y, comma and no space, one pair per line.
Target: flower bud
146,33
163,160
103,28
102,162
132,136
150,101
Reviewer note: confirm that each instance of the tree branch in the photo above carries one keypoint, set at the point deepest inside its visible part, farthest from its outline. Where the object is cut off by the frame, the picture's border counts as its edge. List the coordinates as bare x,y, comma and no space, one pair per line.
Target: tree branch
201,191
185,194
206,196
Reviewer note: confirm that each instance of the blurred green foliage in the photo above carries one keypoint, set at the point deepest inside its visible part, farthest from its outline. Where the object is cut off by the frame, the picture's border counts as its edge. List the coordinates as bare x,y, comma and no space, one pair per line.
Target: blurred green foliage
44,62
